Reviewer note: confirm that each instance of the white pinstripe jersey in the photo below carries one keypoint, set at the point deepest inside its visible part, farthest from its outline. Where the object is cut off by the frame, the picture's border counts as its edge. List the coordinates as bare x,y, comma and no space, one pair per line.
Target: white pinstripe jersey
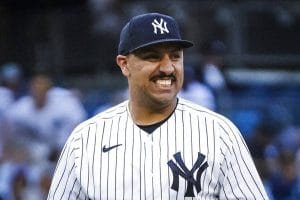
195,152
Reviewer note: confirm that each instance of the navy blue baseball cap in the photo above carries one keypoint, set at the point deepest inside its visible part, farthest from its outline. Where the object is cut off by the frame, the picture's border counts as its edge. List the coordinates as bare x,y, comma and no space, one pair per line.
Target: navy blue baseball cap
148,29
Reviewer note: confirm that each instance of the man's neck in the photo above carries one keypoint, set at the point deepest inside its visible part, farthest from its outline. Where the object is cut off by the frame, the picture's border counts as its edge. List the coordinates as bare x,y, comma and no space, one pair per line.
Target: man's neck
147,115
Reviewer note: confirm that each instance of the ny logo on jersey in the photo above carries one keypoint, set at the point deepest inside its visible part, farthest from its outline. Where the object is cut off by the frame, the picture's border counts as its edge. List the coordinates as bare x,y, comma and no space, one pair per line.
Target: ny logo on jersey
187,174
162,26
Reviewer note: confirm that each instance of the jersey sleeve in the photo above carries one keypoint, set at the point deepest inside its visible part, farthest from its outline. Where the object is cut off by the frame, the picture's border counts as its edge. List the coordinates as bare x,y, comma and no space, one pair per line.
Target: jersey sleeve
240,178
65,184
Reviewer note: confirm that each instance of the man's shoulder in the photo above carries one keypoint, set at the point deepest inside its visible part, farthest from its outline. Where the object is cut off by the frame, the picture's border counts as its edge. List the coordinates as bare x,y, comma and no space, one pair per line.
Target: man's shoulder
196,109
107,114
187,105
199,111
113,110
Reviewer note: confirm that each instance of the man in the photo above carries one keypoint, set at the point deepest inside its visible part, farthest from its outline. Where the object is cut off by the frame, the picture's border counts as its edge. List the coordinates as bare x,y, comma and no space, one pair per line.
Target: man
196,91
42,115
155,145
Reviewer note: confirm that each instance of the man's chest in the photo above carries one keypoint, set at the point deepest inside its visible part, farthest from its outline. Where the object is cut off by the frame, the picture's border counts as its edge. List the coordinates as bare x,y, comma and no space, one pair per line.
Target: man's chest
148,166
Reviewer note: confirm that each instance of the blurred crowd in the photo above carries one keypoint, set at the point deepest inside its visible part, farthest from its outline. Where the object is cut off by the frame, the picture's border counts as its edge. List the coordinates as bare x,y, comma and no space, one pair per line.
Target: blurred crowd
36,118
37,115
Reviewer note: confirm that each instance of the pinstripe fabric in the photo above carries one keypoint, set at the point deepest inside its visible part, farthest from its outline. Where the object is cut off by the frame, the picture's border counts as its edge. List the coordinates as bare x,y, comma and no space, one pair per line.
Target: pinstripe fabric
138,169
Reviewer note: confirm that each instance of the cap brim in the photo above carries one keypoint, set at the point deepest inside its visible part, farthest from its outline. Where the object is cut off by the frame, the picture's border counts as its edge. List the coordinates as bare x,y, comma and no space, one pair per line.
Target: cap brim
182,43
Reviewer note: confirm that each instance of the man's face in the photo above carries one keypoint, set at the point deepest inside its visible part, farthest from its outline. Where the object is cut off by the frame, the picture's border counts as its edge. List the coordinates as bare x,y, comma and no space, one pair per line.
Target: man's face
155,74
39,87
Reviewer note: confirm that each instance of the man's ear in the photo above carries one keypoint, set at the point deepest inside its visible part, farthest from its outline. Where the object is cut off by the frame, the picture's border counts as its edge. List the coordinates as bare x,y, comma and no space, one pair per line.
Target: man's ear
122,63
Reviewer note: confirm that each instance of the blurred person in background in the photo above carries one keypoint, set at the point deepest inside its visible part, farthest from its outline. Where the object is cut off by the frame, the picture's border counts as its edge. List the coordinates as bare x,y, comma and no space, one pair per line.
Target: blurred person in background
262,136
297,164
281,160
13,169
42,120
48,112
213,64
212,70
196,91
11,81
11,78
284,184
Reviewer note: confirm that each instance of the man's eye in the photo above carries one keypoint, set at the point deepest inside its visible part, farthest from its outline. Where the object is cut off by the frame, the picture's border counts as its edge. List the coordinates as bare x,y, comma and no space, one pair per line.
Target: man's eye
151,57
175,56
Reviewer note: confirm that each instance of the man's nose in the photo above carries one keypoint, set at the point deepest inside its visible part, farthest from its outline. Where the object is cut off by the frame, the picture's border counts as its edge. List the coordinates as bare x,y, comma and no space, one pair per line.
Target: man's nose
166,65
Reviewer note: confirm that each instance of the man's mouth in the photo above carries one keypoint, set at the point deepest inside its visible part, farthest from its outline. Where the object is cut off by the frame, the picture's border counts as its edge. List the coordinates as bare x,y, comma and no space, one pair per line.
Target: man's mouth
164,83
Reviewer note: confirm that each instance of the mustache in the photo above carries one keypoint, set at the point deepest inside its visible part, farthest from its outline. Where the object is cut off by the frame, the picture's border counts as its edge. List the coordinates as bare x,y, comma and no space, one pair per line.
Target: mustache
163,76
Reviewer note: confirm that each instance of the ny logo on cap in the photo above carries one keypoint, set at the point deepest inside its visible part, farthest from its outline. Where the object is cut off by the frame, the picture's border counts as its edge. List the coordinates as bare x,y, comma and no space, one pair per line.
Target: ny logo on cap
162,25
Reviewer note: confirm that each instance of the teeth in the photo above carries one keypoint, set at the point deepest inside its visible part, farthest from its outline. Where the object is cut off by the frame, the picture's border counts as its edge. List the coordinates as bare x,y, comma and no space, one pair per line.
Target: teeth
164,82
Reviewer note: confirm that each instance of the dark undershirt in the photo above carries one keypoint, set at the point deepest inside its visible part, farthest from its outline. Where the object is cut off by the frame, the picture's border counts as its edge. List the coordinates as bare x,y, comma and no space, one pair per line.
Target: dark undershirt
150,128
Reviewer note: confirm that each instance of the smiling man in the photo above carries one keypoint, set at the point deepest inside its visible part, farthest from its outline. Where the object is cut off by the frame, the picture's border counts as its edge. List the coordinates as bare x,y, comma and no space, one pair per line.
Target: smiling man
155,145
155,76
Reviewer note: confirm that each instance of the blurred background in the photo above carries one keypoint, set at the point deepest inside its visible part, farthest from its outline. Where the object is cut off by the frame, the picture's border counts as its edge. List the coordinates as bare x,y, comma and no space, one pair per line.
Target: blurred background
57,68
